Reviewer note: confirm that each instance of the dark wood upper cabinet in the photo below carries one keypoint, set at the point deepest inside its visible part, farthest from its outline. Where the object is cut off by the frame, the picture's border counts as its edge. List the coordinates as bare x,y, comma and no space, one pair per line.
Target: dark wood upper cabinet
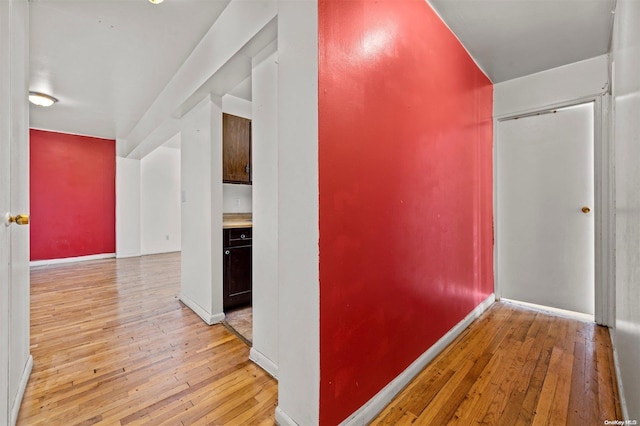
236,149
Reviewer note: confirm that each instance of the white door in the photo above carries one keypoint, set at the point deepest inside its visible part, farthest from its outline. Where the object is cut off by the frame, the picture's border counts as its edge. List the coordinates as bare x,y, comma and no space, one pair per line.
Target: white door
15,361
545,212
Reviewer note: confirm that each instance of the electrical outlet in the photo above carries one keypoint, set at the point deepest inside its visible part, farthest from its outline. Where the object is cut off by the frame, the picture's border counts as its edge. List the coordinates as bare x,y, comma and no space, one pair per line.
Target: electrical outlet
237,202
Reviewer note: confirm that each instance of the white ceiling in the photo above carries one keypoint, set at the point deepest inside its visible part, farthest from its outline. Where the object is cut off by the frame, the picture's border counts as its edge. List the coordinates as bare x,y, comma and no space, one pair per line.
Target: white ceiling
107,61
513,38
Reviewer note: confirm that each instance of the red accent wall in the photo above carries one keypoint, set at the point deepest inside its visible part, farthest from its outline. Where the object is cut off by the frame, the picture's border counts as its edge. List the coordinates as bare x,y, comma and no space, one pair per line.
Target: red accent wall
405,175
73,195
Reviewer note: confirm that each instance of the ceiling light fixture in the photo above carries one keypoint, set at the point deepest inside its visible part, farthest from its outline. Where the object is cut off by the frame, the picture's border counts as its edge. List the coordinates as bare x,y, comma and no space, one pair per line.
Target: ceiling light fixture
156,1
41,99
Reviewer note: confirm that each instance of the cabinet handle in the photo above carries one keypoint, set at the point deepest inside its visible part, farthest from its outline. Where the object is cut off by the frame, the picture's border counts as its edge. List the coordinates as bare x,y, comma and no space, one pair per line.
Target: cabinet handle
227,252
242,236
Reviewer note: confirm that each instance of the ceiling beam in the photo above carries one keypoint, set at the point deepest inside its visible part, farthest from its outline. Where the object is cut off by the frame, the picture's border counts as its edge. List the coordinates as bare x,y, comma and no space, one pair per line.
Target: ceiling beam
232,32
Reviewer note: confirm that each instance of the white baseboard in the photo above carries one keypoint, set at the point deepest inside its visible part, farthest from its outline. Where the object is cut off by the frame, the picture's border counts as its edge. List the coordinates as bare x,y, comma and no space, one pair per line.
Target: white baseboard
24,379
616,363
48,262
375,405
152,252
264,362
127,255
215,318
282,419
206,316
579,316
140,254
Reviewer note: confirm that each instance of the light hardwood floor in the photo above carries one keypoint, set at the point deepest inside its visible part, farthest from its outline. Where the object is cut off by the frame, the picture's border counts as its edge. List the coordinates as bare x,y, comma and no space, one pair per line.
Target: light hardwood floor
112,345
515,366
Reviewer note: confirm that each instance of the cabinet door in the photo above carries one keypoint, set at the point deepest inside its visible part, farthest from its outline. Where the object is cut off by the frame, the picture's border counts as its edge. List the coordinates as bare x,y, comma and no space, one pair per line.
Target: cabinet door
237,277
236,149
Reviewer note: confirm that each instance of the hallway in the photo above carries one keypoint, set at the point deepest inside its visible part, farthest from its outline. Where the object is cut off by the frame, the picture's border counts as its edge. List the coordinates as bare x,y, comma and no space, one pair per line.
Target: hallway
113,345
515,365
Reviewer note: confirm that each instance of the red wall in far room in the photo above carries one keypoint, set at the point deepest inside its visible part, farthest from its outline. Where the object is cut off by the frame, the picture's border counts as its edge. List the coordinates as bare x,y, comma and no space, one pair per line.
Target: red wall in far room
405,176
72,195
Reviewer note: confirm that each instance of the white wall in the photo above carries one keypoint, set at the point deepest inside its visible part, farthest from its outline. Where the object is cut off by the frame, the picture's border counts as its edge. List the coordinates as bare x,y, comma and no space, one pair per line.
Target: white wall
626,91
201,214
237,106
237,198
551,87
265,214
127,207
160,201
201,161
298,234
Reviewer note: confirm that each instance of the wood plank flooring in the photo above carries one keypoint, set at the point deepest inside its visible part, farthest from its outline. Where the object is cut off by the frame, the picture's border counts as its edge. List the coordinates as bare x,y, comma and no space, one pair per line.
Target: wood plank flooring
515,366
113,345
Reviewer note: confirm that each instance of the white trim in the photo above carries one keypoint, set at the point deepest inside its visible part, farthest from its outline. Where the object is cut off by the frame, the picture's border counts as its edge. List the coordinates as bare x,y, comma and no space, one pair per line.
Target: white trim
127,255
207,317
497,290
15,409
71,133
282,419
375,405
553,311
616,363
216,318
603,192
547,108
48,262
151,253
264,362
605,214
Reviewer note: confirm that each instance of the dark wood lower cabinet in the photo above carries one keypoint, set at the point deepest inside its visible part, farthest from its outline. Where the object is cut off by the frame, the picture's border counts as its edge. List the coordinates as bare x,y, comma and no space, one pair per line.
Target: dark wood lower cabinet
237,268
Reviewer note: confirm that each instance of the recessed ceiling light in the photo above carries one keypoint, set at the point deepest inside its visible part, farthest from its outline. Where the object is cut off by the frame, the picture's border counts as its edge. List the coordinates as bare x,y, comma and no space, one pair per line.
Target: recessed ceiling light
156,1
41,99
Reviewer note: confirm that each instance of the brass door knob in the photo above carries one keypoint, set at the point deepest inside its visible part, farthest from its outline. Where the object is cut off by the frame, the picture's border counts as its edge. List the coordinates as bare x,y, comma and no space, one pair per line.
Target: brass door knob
20,219
585,210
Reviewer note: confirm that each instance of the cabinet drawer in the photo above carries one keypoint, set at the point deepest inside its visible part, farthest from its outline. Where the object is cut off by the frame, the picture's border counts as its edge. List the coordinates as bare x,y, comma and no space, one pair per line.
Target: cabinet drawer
238,237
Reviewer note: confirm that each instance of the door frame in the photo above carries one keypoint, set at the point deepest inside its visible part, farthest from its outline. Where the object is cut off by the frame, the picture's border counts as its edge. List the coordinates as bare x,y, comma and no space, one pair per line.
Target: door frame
604,225
14,241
